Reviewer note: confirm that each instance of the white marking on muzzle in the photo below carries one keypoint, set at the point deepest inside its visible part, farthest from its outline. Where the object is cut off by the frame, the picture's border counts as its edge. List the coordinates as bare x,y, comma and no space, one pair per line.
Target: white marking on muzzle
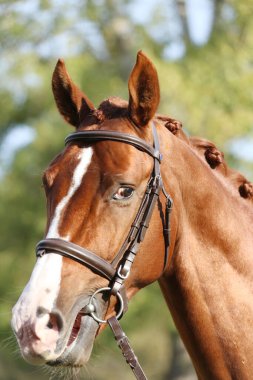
44,285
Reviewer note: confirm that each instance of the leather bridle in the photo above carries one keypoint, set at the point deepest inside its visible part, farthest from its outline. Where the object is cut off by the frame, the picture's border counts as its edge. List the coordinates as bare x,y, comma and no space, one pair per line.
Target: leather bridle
119,268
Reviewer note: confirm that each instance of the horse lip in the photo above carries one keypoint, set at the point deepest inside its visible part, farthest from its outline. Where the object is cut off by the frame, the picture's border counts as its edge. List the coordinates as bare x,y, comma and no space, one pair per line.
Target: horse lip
78,353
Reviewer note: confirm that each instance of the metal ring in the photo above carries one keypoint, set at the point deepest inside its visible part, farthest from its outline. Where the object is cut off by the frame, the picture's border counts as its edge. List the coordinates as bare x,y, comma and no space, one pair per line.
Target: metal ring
101,290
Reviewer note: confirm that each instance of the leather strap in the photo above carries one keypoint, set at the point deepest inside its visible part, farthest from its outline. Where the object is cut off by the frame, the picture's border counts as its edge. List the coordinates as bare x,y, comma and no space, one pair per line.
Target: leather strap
127,351
77,253
101,135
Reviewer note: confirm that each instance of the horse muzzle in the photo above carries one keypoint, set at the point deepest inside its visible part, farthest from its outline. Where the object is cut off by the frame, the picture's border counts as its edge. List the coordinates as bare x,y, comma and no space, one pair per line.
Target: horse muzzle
50,338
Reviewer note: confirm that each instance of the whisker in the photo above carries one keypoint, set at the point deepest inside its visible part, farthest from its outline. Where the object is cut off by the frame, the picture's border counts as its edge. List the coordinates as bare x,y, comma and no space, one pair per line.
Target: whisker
9,342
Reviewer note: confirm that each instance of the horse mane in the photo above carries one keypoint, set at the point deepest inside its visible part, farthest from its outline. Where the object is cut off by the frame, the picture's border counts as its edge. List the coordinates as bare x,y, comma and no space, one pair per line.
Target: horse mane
213,156
208,151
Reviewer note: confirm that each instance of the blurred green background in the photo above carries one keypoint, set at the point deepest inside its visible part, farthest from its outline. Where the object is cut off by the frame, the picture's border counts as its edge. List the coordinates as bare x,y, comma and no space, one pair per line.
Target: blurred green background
203,51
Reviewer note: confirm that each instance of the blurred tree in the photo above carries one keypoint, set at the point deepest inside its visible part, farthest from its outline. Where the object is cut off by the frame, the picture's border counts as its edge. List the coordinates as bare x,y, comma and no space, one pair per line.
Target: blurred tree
208,85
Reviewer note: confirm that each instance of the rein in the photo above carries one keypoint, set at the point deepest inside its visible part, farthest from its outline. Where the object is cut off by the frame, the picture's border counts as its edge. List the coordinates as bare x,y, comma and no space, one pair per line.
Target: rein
119,268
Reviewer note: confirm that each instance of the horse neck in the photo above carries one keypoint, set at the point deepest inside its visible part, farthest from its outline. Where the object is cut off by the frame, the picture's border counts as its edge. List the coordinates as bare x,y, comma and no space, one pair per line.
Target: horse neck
208,209
210,278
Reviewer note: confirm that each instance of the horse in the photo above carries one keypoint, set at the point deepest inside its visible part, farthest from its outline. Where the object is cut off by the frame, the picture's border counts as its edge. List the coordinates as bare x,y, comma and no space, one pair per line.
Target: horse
129,203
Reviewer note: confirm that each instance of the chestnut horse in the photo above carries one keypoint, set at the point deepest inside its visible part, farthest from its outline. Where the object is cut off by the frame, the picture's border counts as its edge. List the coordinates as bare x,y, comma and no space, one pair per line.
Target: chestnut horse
94,190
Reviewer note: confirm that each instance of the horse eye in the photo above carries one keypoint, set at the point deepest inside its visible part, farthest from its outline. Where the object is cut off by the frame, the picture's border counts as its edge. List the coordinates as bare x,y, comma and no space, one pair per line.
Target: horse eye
123,193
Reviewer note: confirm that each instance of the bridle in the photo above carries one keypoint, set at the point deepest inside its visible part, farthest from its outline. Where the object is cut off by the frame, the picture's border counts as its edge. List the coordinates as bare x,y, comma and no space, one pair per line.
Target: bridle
119,268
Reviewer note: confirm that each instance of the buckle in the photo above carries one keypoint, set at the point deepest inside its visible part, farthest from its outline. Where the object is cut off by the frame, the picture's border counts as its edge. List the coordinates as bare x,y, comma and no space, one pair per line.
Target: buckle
122,275
92,308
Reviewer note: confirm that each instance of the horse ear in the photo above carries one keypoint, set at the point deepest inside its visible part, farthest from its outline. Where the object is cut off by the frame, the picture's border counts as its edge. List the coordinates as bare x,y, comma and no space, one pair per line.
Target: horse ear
144,92
72,103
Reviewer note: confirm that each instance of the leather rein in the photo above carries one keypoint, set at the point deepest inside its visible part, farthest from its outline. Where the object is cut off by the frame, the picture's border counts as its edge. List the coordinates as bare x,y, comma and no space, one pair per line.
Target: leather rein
117,271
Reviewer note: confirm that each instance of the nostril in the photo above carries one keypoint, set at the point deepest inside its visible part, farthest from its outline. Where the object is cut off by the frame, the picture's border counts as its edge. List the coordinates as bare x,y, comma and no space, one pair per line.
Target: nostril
55,321
50,320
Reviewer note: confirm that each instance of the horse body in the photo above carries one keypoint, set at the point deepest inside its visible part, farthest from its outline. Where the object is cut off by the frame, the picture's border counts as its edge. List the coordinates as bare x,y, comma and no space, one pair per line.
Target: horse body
208,281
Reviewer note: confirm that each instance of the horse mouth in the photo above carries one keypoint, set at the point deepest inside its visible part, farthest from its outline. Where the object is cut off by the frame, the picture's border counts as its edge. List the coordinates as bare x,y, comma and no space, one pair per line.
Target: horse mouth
78,344
75,329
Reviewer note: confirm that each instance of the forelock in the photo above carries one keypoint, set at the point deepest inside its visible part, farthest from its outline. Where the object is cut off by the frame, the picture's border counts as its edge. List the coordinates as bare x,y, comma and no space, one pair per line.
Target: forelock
111,108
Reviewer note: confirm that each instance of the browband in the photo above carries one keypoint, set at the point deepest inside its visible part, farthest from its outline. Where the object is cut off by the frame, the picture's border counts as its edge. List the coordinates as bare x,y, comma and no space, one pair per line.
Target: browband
100,135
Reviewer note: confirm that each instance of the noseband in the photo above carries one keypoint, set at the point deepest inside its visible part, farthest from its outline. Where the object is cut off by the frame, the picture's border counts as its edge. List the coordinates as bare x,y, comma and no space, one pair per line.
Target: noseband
119,268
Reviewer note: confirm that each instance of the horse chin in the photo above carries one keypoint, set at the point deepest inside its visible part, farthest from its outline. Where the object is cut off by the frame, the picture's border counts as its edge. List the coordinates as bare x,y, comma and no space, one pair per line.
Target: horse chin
79,345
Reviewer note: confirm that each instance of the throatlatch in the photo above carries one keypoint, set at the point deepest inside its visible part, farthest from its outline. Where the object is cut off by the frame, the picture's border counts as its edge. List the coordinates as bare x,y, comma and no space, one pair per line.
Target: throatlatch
118,270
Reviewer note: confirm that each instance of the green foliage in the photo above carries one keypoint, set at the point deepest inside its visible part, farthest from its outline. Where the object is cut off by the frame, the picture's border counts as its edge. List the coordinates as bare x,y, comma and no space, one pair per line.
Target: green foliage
209,89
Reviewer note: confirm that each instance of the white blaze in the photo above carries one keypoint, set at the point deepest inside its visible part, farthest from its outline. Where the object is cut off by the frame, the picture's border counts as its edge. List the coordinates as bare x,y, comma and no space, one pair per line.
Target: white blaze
85,159
44,285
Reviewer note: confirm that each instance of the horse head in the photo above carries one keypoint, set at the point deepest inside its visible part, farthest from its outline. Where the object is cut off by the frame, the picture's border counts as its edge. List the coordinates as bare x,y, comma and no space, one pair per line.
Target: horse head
94,189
